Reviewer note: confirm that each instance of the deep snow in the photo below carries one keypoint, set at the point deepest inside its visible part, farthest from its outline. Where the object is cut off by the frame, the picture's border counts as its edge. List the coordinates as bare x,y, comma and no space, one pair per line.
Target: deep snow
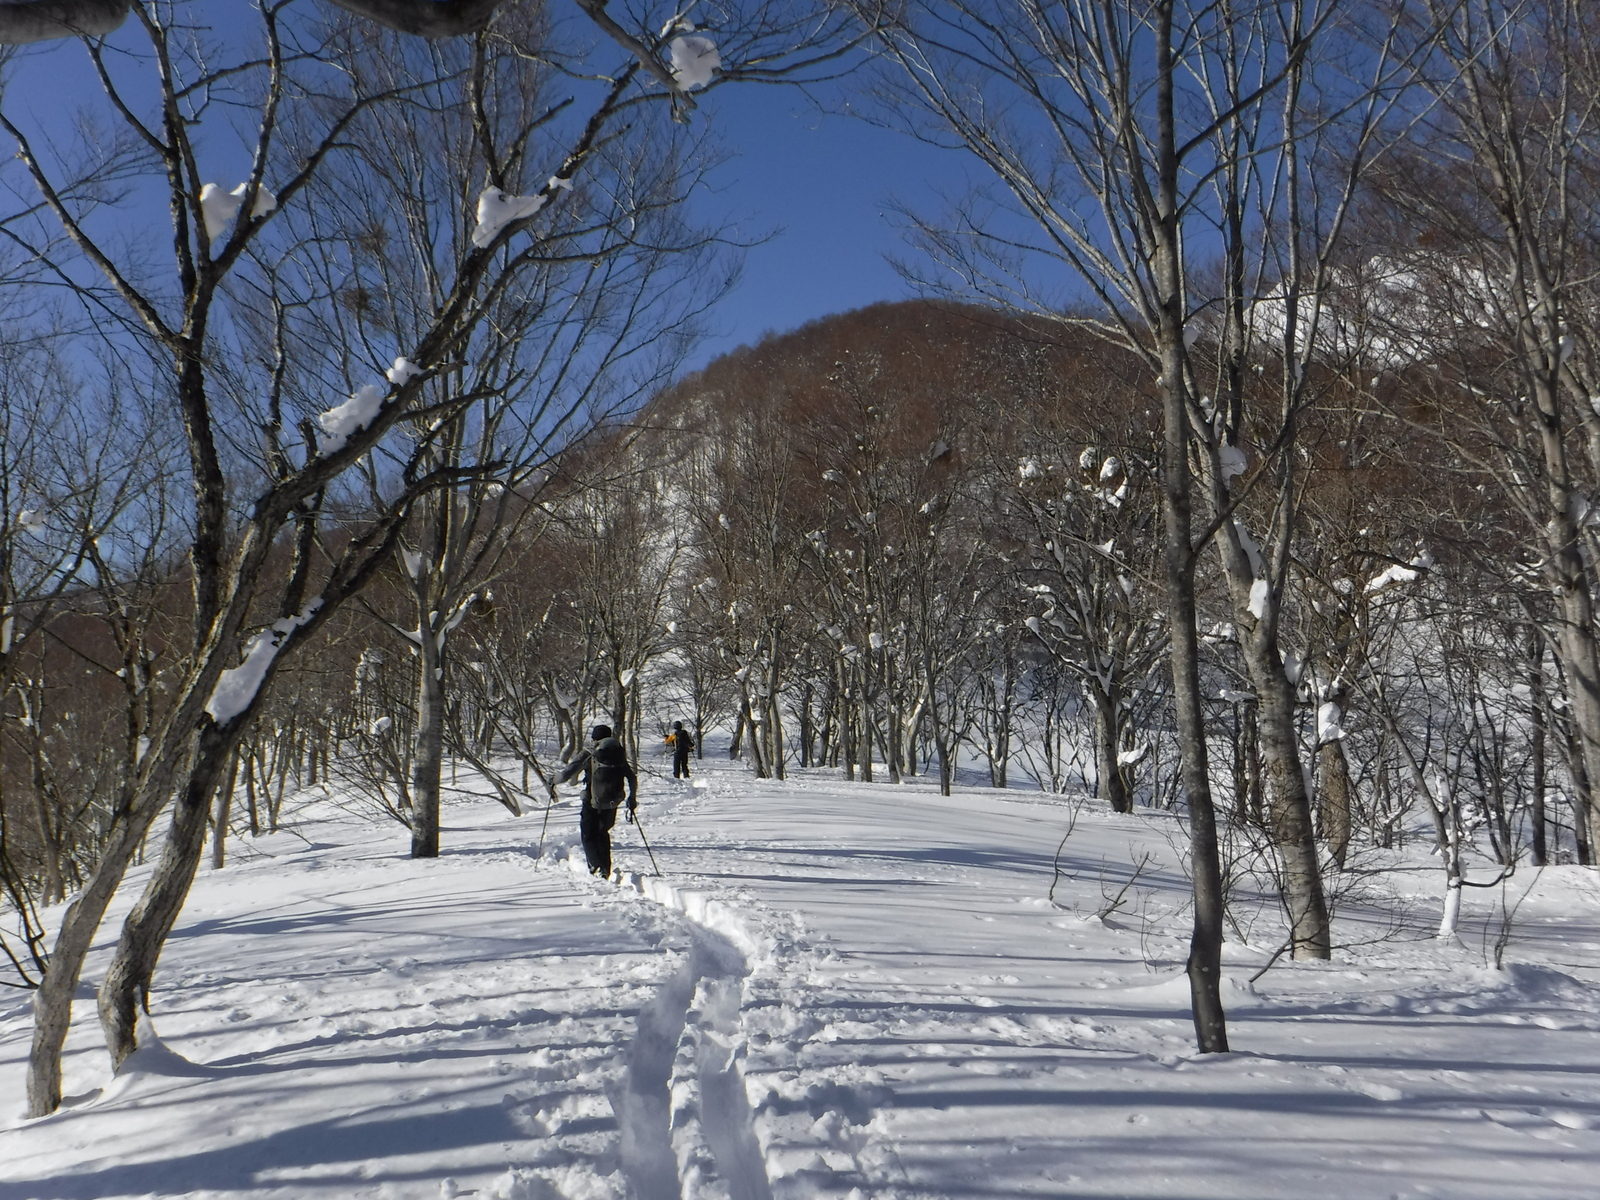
833,989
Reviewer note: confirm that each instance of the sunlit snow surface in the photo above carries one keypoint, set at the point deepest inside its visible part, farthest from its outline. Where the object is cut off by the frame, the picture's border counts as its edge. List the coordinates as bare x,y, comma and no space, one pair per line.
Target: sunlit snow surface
834,989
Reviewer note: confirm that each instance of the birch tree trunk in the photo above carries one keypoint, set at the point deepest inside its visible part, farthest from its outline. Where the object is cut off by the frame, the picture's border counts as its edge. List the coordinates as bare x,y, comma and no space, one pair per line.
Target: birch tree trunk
1539,850
427,766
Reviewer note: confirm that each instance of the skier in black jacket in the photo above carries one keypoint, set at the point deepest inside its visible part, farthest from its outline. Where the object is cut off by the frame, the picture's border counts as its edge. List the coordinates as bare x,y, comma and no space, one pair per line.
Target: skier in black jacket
682,743
605,770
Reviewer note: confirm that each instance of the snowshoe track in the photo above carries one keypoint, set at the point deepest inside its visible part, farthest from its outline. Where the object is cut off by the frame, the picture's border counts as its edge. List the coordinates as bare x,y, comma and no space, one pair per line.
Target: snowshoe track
687,1129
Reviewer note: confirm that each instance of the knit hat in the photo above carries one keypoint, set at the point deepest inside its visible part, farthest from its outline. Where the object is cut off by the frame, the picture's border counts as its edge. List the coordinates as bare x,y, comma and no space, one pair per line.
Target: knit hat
600,732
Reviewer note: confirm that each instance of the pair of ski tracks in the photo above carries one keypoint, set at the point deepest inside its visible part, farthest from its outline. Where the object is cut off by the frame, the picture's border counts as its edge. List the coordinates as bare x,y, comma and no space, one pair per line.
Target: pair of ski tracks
687,1129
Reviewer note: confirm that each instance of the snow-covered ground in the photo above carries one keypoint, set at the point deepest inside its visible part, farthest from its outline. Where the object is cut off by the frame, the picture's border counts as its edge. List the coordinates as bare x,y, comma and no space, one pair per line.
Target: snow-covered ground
832,990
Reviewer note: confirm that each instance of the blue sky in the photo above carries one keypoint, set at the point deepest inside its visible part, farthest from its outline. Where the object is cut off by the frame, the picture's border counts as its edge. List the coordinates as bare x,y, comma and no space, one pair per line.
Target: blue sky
821,184
817,186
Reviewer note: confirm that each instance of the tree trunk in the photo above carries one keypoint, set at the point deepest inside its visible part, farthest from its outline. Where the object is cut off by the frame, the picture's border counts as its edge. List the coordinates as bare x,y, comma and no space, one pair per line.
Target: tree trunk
54,884
747,718
773,710
52,1003
896,747
847,727
620,724
1581,665
864,735
1000,757
1447,827
1335,799
1247,808
219,832
126,988
806,732
1288,804
1579,775
427,770
1205,944
250,792
1110,784
1538,848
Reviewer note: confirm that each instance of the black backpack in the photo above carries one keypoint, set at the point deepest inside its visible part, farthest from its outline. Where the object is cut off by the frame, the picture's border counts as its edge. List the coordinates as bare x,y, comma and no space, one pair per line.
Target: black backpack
608,775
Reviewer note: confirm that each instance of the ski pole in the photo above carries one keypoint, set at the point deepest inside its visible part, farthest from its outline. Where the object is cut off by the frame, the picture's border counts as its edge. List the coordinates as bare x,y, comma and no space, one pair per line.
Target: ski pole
639,825
546,825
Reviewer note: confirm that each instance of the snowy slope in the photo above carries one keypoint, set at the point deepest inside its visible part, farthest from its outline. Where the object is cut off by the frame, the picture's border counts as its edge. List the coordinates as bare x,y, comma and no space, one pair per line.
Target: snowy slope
833,989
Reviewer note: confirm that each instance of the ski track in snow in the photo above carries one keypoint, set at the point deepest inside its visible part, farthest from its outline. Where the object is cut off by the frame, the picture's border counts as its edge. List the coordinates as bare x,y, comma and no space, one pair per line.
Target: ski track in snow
687,1127
837,992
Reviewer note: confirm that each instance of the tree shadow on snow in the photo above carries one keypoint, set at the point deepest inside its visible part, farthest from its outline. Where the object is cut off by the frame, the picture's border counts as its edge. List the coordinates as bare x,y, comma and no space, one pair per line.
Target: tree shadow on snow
325,1154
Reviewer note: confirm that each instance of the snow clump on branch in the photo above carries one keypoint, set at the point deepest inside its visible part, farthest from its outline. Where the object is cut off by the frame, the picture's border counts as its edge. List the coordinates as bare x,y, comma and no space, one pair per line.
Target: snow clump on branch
339,422
1329,727
403,372
497,209
1232,460
237,686
1260,593
694,59
219,208
1399,574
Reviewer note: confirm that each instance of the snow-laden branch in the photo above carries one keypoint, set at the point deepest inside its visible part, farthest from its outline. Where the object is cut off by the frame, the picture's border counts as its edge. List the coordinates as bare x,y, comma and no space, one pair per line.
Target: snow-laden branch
236,687
219,208
694,61
355,414
453,621
1399,573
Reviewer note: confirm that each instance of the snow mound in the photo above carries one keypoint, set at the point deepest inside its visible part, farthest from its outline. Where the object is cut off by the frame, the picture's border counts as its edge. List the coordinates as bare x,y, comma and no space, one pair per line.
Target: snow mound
554,1183
1532,981
152,1062
1174,991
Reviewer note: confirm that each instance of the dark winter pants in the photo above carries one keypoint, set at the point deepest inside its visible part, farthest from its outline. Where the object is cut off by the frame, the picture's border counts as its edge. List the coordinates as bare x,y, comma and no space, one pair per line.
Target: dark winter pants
595,827
680,764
